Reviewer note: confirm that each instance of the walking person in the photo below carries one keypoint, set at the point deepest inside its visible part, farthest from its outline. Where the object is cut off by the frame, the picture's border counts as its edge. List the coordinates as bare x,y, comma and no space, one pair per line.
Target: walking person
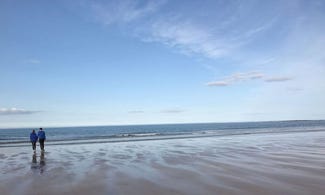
33,138
41,138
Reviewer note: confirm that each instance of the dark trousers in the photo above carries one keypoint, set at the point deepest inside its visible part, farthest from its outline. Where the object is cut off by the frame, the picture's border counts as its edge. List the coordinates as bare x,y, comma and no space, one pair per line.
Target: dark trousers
34,145
41,143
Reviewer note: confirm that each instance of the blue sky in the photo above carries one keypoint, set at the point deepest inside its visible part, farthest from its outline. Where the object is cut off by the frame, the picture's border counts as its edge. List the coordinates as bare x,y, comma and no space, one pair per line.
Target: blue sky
71,63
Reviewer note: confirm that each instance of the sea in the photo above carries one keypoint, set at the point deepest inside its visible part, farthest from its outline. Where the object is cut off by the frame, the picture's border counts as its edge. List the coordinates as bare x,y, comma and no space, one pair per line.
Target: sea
15,137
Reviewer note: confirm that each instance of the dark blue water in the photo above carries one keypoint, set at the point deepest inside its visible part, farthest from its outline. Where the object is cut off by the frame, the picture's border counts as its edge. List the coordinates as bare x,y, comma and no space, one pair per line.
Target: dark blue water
143,132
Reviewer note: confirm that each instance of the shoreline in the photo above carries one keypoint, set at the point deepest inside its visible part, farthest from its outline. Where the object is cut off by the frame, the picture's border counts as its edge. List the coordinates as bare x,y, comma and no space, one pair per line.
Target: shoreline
285,163
117,139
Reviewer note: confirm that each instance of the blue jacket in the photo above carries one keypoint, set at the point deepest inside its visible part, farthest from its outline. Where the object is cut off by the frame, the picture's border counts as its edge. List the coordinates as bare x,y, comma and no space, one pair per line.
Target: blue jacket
41,135
33,137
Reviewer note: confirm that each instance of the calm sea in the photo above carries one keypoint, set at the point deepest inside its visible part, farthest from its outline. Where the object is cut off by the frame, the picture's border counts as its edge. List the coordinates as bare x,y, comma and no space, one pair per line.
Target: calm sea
97,134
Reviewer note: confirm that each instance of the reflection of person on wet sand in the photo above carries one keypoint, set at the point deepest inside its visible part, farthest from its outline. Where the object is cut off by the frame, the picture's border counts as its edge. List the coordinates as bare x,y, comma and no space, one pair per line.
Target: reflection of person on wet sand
42,162
41,165
34,162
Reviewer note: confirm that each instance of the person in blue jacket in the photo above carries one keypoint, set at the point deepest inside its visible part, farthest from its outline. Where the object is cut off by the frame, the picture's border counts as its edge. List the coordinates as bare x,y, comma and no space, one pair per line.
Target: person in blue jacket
33,138
41,138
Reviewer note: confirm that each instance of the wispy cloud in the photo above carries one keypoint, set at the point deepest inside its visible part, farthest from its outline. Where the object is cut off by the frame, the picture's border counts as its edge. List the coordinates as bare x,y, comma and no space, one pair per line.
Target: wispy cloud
182,29
278,79
266,61
111,12
256,113
32,61
241,77
218,83
295,89
15,111
172,111
136,112
192,34
189,38
237,77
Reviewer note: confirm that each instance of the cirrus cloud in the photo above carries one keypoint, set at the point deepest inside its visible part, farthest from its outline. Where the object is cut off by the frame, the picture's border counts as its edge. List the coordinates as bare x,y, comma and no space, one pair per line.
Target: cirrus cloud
172,111
32,61
16,111
136,112
278,79
237,77
241,77
112,12
184,31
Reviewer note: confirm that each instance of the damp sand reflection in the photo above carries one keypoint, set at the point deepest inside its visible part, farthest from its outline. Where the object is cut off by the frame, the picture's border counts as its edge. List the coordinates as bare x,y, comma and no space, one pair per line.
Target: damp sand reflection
38,164
286,163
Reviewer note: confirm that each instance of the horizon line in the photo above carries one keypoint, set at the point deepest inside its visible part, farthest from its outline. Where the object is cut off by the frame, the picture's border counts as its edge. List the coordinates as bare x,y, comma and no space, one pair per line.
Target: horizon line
181,123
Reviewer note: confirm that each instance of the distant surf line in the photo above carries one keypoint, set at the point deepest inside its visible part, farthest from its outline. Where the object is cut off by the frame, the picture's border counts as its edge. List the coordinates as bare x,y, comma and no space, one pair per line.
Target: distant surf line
151,138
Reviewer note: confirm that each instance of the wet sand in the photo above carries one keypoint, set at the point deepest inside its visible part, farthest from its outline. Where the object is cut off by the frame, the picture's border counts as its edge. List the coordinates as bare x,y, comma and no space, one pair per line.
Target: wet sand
288,163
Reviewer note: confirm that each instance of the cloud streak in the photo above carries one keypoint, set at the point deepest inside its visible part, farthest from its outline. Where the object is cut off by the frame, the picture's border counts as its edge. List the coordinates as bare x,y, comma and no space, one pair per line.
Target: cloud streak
278,79
237,77
242,77
172,111
183,30
32,61
16,111
218,83
136,112
112,12
189,38
194,33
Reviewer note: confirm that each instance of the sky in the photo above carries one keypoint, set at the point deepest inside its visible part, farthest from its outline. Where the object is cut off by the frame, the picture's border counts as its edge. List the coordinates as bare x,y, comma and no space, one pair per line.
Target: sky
115,62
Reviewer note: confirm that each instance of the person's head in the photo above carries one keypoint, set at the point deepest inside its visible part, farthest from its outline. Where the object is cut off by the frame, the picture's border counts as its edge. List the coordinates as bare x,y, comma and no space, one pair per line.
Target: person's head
40,129
33,131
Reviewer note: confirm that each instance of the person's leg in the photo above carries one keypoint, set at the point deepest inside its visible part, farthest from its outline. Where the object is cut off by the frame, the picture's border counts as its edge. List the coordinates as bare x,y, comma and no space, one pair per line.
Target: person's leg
34,145
41,143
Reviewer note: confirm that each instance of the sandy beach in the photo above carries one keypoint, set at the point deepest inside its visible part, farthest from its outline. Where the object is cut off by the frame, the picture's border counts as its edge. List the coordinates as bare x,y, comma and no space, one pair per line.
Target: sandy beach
286,163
